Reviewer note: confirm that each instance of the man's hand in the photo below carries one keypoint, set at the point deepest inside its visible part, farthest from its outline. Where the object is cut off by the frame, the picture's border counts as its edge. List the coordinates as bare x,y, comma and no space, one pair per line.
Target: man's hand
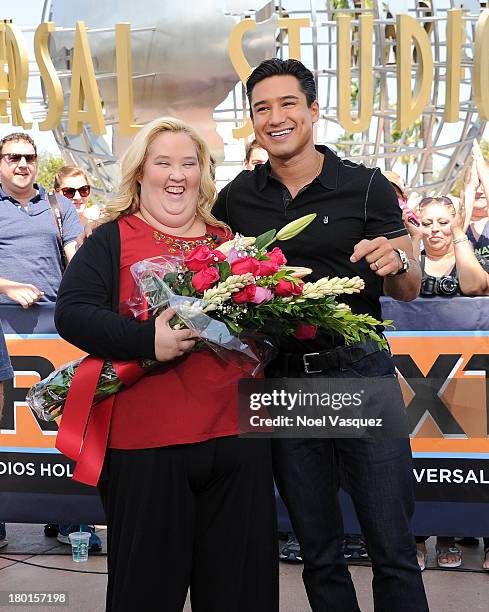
22,293
171,343
380,254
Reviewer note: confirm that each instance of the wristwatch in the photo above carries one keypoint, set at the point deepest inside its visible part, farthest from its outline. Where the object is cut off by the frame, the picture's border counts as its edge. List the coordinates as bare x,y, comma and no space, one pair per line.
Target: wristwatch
404,261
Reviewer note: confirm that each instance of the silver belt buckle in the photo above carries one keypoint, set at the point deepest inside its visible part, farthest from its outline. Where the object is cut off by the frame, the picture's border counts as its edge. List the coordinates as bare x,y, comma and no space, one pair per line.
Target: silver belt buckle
306,364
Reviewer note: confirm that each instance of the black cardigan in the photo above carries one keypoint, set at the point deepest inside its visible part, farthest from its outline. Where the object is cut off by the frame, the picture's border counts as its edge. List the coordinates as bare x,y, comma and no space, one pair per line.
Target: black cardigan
88,301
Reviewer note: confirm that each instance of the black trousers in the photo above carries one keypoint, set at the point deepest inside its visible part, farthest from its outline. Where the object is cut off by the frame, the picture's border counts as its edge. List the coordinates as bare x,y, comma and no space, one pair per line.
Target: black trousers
199,516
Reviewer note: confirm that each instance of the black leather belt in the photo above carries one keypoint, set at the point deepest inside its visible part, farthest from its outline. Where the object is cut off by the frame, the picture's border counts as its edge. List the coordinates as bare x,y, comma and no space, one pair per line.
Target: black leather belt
314,363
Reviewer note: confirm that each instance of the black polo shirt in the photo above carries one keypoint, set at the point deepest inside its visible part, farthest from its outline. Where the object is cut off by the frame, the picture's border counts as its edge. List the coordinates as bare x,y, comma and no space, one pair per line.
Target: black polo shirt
352,202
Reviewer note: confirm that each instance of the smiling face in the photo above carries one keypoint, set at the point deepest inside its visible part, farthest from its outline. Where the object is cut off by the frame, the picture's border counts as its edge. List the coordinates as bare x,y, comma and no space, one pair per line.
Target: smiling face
17,177
170,182
436,220
282,121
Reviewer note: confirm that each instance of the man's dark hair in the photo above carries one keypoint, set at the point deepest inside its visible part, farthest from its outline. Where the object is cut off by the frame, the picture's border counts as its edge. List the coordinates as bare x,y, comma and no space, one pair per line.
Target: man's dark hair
15,137
278,67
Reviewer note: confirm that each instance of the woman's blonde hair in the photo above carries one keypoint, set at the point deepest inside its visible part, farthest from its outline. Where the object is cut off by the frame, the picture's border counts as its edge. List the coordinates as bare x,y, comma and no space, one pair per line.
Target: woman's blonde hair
437,200
66,171
127,198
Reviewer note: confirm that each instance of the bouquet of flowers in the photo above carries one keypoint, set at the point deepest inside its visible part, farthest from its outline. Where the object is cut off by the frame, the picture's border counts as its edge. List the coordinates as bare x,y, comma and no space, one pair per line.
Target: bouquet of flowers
236,291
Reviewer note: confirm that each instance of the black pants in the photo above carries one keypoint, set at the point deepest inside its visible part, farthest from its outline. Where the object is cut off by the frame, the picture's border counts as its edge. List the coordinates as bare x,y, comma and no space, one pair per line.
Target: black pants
379,477
199,516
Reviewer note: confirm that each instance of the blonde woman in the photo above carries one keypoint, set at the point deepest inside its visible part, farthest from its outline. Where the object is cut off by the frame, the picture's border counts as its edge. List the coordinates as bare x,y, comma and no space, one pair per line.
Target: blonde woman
188,503
448,262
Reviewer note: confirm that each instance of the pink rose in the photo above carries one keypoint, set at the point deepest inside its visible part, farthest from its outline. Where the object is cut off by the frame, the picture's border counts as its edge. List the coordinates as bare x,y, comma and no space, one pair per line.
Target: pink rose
245,265
305,332
232,256
277,257
287,288
205,278
247,294
198,258
262,295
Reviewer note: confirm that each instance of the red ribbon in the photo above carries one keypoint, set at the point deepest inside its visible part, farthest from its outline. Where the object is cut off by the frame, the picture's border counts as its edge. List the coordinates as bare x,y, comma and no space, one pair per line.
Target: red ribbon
84,429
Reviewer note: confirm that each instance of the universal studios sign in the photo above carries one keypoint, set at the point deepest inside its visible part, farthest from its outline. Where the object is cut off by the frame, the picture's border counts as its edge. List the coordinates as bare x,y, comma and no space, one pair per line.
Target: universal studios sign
85,105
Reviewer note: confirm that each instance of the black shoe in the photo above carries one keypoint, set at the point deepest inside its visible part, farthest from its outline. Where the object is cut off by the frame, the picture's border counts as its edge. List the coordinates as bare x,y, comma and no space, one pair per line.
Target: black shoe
354,548
291,552
467,541
51,530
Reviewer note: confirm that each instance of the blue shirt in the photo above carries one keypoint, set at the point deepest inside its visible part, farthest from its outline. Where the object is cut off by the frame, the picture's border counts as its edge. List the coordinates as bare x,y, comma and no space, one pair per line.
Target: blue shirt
30,241
6,371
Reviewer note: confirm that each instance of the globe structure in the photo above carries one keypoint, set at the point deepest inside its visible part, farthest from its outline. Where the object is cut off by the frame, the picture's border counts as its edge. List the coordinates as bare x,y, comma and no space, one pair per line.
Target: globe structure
181,67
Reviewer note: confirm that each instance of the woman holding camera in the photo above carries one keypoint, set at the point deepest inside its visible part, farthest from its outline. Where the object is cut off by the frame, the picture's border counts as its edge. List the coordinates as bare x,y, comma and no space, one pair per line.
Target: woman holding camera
450,268
448,262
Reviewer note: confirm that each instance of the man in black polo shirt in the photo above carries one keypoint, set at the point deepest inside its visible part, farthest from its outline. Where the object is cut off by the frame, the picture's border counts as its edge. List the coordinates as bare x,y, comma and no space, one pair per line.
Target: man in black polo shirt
358,231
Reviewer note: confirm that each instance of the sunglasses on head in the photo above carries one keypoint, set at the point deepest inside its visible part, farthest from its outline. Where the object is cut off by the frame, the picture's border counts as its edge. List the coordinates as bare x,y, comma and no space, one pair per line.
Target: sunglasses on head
69,192
14,158
438,200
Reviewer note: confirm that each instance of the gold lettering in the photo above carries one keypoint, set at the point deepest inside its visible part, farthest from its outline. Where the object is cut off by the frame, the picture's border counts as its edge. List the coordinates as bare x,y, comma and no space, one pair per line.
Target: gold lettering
84,88
481,65
49,76
454,55
366,87
293,27
125,92
18,76
409,107
240,64
3,76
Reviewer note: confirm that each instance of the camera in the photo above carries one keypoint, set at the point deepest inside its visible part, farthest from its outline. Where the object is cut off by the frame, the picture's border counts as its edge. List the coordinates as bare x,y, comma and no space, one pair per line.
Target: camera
445,286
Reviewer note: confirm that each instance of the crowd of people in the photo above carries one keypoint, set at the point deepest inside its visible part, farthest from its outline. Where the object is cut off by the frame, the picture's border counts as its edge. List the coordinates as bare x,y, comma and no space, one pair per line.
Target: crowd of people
213,512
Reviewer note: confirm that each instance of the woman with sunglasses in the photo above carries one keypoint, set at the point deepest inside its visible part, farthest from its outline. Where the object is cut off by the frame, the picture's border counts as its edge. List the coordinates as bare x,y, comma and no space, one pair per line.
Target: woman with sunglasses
73,183
448,262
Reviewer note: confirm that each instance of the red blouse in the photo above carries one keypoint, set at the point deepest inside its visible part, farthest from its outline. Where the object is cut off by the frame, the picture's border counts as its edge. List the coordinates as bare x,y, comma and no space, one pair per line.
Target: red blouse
191,399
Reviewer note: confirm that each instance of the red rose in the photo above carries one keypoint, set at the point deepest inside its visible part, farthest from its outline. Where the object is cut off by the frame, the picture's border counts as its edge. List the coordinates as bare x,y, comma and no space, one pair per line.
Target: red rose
287,288
277,257
198,258
267,268
217,254
246,294
305,332
245,265
205,278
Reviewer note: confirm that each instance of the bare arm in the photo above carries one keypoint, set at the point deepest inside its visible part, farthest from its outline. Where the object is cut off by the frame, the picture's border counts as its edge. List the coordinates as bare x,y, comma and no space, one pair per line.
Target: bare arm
22,293
482,169
472,277
385,262
70,250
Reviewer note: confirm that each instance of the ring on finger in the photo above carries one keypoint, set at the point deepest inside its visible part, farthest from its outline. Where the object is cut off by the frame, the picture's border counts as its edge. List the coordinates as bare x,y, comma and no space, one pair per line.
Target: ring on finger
376,264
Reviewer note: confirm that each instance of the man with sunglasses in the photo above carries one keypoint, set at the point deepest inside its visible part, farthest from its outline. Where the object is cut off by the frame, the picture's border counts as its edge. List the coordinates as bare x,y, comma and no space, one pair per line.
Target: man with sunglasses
31,246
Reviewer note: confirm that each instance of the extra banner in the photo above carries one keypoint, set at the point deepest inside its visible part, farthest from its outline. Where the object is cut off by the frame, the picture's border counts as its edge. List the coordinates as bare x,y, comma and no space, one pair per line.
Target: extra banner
441,351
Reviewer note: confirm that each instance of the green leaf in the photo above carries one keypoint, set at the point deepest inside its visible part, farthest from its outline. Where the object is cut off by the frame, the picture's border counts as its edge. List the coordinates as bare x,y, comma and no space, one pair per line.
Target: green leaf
263,240
224,270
